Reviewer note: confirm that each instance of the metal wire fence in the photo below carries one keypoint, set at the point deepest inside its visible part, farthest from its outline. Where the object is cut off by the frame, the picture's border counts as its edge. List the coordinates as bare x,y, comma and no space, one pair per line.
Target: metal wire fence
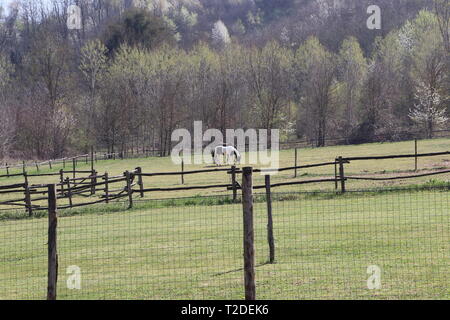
371,244
364,245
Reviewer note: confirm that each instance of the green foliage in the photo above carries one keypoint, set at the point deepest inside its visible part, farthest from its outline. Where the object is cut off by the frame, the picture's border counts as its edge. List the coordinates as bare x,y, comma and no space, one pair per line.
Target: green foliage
138,27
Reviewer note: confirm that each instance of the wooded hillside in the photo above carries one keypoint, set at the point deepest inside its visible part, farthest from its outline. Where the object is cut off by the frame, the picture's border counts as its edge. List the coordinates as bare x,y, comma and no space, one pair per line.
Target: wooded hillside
136,70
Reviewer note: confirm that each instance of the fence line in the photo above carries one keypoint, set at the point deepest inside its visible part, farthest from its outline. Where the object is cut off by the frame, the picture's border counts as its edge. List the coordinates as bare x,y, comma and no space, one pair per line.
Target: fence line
88,186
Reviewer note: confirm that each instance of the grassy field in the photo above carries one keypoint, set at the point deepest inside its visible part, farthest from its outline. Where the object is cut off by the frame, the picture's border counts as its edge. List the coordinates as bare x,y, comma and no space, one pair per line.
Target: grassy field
324,244
306,156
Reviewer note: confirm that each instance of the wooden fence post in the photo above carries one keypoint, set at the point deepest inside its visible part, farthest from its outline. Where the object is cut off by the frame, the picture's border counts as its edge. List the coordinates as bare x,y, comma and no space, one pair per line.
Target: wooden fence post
69,191
37,166
61,180
52,250
64,163
341,174
415,152
335,175
27,196
50,164
295,172
249,250
182,171
73,166
23,167
7,171
270,238
233,182
140,181
93,181
106,187
129,190
92,158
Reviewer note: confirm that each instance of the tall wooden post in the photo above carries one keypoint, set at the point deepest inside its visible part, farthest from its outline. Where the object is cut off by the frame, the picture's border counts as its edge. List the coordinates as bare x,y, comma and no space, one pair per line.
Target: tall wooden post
74,166
50,164
248,241
233,182
182,171
140,181
415,152
23,168
92,158
106,187
295,172
270,238
93,181
61,180
69,191
341,174
7,171
27,196
335,175
129,191
52,250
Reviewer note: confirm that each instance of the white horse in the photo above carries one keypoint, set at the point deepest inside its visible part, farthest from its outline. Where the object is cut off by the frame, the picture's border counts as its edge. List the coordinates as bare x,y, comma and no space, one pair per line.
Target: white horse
228,152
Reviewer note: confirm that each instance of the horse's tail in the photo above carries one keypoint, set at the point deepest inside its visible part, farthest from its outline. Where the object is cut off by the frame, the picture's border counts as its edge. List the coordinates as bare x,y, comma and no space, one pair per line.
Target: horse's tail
237,155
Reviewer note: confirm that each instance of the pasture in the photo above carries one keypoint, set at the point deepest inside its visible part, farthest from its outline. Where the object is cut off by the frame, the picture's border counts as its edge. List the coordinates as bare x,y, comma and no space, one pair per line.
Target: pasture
305,156
324,245
188,244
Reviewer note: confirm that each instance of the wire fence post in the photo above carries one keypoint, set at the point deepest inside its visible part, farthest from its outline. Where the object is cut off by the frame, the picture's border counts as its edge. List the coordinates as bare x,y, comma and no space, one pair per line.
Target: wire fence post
270,238
249,250
341,174
52,250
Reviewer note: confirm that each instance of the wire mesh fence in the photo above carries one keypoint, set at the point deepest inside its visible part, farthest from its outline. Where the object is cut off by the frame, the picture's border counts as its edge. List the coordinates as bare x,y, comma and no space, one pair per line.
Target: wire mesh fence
23,257
371,244
154,252
364,245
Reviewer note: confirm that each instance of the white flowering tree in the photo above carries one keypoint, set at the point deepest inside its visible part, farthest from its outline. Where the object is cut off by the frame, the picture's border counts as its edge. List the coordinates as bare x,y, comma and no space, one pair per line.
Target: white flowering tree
220,35
427,112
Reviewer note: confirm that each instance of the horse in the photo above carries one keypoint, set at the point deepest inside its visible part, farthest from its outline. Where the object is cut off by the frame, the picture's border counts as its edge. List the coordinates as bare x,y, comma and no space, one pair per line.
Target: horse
227,151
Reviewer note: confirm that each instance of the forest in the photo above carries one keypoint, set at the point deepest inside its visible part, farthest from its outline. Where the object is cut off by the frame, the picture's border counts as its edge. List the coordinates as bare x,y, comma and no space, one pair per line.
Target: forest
134,71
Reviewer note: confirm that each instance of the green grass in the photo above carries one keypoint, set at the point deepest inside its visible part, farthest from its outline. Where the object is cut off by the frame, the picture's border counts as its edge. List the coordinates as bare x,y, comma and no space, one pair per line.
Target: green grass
306,156
170,250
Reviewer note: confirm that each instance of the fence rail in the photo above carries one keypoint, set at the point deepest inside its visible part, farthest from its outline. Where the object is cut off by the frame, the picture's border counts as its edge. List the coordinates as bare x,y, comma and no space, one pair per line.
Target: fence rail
110,188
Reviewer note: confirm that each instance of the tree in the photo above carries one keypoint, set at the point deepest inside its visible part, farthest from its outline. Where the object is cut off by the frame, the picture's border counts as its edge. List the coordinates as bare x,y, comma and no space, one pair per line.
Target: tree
220,36
138,28
268,78
315,70
352,71
92,65
427,112
7,123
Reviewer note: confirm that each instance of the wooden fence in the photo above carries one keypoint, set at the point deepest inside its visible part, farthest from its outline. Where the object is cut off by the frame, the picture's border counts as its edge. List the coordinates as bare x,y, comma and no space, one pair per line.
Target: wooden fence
106,188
